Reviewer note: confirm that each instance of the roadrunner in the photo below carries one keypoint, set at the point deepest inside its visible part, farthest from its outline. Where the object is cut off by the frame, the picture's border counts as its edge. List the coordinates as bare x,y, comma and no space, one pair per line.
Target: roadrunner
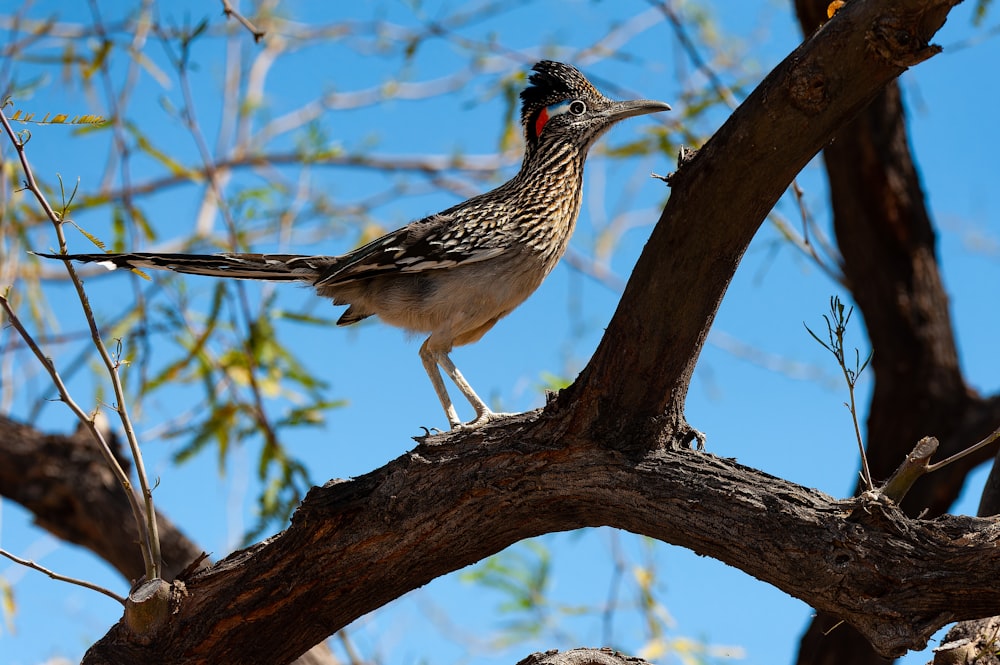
454,274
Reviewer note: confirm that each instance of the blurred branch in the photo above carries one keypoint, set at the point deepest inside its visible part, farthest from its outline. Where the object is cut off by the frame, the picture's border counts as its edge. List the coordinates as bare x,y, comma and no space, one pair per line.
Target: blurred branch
687,43
228,10
481,166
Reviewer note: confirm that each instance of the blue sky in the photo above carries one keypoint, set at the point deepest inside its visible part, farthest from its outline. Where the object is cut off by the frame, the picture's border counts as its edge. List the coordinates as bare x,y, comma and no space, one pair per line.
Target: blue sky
786,423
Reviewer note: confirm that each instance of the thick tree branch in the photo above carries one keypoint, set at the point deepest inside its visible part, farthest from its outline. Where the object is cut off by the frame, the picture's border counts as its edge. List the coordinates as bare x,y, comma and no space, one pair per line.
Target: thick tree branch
355,545
582,657
721,196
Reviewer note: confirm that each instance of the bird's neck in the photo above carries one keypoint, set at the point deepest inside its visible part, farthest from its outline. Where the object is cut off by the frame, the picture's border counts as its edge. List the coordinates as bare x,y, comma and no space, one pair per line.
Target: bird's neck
552,166
547,191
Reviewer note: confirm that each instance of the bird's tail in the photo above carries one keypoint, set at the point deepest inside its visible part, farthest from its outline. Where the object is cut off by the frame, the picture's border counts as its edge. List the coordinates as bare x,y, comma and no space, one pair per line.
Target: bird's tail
272,267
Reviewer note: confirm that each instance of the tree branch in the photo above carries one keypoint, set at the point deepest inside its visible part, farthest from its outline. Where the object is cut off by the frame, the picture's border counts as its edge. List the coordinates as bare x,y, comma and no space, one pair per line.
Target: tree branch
887,240
355,545
582,657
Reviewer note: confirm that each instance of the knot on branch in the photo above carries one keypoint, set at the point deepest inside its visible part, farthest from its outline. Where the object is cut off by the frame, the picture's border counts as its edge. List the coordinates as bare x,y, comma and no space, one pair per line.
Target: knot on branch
898,41
808,88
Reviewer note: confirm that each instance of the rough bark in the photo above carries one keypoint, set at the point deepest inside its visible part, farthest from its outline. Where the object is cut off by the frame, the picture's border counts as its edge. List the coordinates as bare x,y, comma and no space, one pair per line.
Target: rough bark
888,244
976,641
970,643
582,657
609,450
355,545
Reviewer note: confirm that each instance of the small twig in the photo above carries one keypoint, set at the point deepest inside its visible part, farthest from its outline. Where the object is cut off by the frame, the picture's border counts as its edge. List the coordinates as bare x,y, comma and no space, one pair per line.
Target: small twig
836,329
687,43
353,657
228,10
62,578
150,541
917,464
913,467
805,244
81,415
968,451
833,628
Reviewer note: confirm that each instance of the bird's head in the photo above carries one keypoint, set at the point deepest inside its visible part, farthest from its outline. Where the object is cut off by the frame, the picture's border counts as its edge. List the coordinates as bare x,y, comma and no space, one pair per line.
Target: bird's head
561,105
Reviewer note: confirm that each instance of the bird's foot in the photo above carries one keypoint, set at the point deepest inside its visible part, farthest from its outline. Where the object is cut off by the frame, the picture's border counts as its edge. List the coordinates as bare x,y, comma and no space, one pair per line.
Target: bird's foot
483,418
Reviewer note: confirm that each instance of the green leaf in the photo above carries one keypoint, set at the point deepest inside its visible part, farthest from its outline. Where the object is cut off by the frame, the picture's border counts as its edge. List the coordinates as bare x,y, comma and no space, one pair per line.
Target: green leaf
7,604
979,13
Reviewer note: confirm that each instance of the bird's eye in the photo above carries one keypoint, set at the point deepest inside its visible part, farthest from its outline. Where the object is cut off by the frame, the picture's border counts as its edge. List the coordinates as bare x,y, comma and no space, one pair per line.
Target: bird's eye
577,107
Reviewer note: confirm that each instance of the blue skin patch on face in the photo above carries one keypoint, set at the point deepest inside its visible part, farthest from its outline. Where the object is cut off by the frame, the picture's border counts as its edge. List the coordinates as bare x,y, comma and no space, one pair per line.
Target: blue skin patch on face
549,112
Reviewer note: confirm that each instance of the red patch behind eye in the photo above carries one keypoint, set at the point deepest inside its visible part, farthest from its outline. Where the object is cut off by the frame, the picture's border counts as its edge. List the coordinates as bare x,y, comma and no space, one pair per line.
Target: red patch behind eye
543,117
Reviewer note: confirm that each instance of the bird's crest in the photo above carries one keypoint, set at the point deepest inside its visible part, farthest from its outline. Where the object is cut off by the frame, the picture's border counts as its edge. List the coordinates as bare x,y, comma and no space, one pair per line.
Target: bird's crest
550,83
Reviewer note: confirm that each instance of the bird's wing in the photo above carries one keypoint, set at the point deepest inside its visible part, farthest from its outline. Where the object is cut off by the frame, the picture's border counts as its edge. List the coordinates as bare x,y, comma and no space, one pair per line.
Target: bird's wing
441,241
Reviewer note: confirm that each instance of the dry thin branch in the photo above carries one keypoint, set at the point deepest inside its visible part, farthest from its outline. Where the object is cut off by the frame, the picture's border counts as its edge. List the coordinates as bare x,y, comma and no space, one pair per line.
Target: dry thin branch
917,464
149,545
968,451
88,422
62,578
228,10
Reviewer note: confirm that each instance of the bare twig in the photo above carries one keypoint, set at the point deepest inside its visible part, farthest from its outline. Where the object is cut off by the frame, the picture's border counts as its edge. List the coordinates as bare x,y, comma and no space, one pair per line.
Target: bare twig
228,10
968,451
62,578
680,31
87,420
151,545
828,264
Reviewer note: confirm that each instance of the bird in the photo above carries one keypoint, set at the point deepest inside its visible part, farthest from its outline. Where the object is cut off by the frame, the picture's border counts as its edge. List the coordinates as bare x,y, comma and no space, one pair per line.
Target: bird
454,274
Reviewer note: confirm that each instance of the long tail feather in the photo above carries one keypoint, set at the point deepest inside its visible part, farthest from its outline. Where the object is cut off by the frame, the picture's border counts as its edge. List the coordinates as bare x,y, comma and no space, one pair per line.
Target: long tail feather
272,267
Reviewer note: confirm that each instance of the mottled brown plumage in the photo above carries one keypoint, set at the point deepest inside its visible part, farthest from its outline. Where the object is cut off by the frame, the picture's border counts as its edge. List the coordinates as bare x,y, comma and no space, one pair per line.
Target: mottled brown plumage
454,274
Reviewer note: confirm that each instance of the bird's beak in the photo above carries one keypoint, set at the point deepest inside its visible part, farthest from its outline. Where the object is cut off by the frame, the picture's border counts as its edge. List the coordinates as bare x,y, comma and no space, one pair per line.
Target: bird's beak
621,110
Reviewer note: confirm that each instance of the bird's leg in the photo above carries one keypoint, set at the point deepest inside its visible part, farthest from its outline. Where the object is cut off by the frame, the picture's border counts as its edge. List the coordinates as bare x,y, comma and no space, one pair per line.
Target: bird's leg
430,361
477,403
483,413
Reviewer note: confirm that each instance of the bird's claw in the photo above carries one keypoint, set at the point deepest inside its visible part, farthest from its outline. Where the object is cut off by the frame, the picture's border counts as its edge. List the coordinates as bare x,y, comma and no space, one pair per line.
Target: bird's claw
428,433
